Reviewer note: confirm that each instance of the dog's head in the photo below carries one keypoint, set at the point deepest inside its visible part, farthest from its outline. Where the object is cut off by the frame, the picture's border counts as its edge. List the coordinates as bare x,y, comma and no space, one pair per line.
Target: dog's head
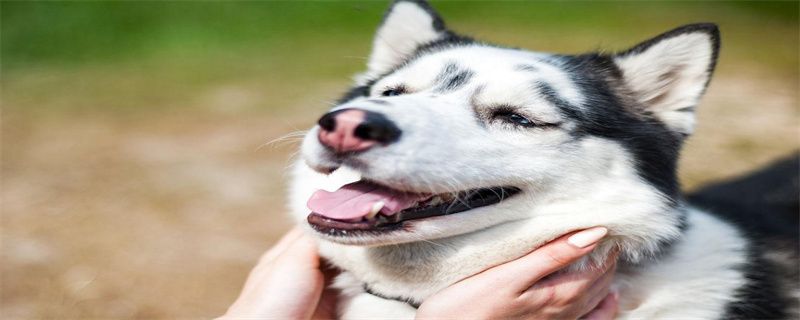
451,135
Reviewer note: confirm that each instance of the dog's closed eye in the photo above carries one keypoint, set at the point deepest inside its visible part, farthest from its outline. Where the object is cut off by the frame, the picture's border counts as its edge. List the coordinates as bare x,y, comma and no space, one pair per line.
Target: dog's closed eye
510,117
394,91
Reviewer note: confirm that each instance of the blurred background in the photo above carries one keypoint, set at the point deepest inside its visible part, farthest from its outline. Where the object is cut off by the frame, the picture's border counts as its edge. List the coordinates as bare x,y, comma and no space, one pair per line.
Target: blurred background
138,180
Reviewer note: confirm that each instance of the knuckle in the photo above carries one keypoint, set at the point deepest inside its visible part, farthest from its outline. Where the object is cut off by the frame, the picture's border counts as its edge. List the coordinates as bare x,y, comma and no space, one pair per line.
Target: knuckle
568,298
520,304
548,295
557,257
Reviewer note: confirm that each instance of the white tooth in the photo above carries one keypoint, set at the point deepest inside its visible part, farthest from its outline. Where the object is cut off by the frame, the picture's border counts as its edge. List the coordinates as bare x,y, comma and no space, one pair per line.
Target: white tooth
376,207
435,201
340,177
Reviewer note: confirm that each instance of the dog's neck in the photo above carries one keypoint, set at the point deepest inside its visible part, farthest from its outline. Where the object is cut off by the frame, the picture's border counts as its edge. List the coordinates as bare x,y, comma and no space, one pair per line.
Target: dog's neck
416,270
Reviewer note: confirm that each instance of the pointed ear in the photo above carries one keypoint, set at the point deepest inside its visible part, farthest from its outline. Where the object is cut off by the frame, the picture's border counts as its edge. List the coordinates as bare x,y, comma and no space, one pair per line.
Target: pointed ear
407,25
669,73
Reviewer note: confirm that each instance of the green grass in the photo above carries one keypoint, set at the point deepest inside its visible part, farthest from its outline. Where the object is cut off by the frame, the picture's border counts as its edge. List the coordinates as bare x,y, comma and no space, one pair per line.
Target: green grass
143,55
85,32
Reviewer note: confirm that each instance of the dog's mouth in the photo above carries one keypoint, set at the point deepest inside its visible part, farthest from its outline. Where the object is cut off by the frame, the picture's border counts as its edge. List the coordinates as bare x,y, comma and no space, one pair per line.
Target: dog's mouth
365,206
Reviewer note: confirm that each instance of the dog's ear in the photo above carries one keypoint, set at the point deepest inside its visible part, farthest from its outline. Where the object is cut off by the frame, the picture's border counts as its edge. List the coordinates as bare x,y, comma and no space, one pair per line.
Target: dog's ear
669,73
407,25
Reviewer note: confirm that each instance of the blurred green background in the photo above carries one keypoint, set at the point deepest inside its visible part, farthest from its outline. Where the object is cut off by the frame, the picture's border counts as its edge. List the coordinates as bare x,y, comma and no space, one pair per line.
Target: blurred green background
138,181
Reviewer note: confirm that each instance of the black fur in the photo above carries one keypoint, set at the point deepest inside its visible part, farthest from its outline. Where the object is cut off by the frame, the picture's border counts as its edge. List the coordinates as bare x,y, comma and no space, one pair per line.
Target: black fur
606,114
611,113
763,296
452,78
765,205
526,67
378,128
552,96
409,301
355,92
380,102
448,40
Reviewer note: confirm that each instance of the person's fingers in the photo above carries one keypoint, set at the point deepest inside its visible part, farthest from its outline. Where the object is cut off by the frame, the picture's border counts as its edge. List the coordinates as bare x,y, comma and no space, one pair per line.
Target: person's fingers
299,265
287,284
281,246
292,281
577,281
289,240
573,287
595,294
606,310
524,272
328,303
302,251
604,269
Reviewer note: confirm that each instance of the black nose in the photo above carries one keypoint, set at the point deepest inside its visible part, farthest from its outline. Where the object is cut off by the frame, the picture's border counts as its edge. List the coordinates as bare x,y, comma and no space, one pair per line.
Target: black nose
374,126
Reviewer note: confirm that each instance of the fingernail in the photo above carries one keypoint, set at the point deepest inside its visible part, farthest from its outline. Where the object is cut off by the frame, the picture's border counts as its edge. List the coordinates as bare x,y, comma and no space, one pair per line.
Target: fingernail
587,237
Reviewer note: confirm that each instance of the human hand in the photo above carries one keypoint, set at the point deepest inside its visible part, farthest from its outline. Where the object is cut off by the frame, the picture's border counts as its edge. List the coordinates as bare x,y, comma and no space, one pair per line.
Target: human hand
288,279
521,289
287,283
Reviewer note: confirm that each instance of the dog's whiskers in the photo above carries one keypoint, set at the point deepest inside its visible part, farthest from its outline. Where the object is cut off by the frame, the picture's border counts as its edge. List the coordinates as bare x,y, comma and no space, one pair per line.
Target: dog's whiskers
291,136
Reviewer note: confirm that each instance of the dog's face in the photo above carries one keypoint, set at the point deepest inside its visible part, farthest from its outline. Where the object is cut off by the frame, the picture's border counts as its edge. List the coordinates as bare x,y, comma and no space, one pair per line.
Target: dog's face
450,136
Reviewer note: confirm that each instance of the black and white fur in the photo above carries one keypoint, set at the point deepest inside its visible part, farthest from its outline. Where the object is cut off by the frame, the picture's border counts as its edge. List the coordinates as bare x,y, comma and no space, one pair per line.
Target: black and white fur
600,148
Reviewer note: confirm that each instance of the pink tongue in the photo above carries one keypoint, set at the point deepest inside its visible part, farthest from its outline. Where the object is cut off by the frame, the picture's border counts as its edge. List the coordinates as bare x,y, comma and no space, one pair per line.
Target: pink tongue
355,200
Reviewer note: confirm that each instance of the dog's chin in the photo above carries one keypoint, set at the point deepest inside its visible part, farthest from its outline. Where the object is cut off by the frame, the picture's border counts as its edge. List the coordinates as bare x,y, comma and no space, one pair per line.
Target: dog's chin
399,236
408,232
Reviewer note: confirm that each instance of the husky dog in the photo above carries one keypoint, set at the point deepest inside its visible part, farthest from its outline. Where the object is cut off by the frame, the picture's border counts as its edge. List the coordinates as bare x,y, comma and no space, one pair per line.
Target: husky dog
451,155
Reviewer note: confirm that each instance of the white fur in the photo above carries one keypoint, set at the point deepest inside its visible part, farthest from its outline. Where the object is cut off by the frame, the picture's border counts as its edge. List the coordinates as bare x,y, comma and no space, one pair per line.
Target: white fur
405,27
670,76
695,281
372,307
